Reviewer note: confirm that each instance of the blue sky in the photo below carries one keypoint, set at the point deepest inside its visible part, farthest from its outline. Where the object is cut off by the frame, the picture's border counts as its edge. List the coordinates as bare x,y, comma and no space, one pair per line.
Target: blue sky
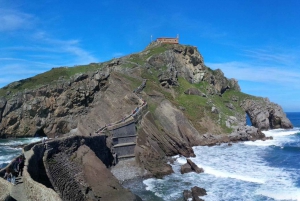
256,42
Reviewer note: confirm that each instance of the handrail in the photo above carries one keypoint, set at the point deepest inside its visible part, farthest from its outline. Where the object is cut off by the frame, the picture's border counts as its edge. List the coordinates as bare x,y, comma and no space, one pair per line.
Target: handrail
134,113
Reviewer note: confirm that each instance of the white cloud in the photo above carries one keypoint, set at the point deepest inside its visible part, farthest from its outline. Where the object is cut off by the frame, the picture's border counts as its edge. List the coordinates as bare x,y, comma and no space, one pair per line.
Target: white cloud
11,20
255,73
282,56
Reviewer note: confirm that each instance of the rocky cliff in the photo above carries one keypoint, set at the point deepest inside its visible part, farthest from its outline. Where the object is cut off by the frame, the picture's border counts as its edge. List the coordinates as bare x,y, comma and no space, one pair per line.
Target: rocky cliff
188,103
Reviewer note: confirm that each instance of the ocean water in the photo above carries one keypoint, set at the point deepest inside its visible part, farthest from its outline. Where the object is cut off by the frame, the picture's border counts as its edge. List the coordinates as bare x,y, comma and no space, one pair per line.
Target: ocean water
261,170
11,148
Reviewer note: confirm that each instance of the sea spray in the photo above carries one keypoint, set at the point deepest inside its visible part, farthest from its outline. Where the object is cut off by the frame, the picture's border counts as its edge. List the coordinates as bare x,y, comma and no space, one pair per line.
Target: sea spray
260,170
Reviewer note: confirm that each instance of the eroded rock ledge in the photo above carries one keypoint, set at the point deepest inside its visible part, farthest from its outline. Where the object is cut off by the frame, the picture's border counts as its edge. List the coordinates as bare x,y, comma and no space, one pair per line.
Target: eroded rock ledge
266,115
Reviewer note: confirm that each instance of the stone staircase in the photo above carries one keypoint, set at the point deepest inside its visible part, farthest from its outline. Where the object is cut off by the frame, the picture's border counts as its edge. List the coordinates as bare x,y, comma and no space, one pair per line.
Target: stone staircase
124,140
123,132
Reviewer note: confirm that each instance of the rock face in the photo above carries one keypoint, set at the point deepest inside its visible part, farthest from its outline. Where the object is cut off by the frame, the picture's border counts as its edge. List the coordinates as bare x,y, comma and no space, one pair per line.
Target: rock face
266,115
188,104
154,145
194,91
190,166
77,173
194,194
66,106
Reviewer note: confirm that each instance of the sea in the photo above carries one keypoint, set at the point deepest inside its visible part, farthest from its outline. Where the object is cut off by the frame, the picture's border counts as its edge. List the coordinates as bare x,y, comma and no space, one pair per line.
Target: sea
259,171
11,148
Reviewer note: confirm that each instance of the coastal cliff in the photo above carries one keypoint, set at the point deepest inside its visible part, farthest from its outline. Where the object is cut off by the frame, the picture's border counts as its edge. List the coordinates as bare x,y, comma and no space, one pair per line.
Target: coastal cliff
188,104
83,98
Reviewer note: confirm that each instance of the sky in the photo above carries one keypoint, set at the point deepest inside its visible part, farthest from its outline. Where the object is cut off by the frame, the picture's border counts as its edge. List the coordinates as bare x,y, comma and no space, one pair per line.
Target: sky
256,42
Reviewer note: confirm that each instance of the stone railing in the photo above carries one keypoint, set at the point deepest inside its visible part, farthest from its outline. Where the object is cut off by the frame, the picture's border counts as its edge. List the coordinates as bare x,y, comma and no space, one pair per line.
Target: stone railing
34,190
128,118
5,188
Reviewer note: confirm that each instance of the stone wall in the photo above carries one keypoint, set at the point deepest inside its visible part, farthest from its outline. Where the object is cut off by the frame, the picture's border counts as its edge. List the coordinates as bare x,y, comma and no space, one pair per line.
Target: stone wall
125,149
5,187
36,191
73,165
71,144
64,174
126,139
124,130
36,168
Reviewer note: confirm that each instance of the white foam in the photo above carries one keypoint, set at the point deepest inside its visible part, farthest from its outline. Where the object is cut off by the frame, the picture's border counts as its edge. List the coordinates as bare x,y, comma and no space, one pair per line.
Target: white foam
181,160
230,172
283,194
212,171
281,132
262,143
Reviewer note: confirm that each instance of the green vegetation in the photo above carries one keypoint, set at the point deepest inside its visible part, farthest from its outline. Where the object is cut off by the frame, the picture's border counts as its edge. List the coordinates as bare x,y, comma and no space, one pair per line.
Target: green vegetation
48,77
134,82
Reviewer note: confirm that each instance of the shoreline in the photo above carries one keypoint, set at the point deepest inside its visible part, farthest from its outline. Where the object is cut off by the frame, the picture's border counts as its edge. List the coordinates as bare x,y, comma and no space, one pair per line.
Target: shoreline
137,173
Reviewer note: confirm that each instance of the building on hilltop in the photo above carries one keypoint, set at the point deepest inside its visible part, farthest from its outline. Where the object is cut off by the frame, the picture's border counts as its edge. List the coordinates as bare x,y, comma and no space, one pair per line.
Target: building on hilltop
168,40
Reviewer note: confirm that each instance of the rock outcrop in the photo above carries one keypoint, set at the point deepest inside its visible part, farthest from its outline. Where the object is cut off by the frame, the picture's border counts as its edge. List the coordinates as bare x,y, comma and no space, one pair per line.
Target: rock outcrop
194,194
212,110
266,115
190,166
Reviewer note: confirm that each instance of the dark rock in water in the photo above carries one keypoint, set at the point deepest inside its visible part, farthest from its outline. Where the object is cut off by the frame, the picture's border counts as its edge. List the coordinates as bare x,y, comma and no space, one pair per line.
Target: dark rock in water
190,166
194,194
186,168
197,191
194,166
197,199
187,194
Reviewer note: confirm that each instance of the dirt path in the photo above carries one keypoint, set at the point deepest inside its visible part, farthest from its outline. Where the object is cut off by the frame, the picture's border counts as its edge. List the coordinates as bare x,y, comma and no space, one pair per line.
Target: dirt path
18,191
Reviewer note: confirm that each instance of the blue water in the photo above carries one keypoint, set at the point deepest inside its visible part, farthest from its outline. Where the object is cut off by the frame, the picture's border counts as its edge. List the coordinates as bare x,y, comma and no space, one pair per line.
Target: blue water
259,171
11,148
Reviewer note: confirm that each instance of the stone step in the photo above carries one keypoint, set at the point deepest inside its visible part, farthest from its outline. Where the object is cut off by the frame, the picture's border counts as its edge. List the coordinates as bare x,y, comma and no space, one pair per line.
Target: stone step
126,156
124,136
125,144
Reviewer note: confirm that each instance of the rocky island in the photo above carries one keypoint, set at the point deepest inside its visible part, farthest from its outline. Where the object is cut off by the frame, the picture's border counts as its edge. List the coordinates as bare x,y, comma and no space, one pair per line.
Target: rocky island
142,108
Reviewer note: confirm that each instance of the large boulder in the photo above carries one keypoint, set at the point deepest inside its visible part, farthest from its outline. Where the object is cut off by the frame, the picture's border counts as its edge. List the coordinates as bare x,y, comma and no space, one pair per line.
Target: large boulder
193,194
194,91
185,168
190,166
265,115
194,166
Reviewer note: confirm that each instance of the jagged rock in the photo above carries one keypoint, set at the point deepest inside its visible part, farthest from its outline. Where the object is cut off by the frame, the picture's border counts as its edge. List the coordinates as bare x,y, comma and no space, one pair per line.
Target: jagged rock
193,194
190,166
265,114
79,77
168,78
197,191
194,91
187,195
181,108
185,168
194,166
230,106
214,110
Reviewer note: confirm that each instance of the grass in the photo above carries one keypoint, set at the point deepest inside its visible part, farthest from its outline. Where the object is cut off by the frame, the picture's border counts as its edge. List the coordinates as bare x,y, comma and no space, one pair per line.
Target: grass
134,82
49,77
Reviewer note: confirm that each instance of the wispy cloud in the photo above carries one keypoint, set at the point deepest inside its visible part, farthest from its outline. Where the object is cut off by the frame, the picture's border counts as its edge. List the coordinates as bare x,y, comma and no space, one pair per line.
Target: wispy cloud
258,73
37,49
12,20
282,56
